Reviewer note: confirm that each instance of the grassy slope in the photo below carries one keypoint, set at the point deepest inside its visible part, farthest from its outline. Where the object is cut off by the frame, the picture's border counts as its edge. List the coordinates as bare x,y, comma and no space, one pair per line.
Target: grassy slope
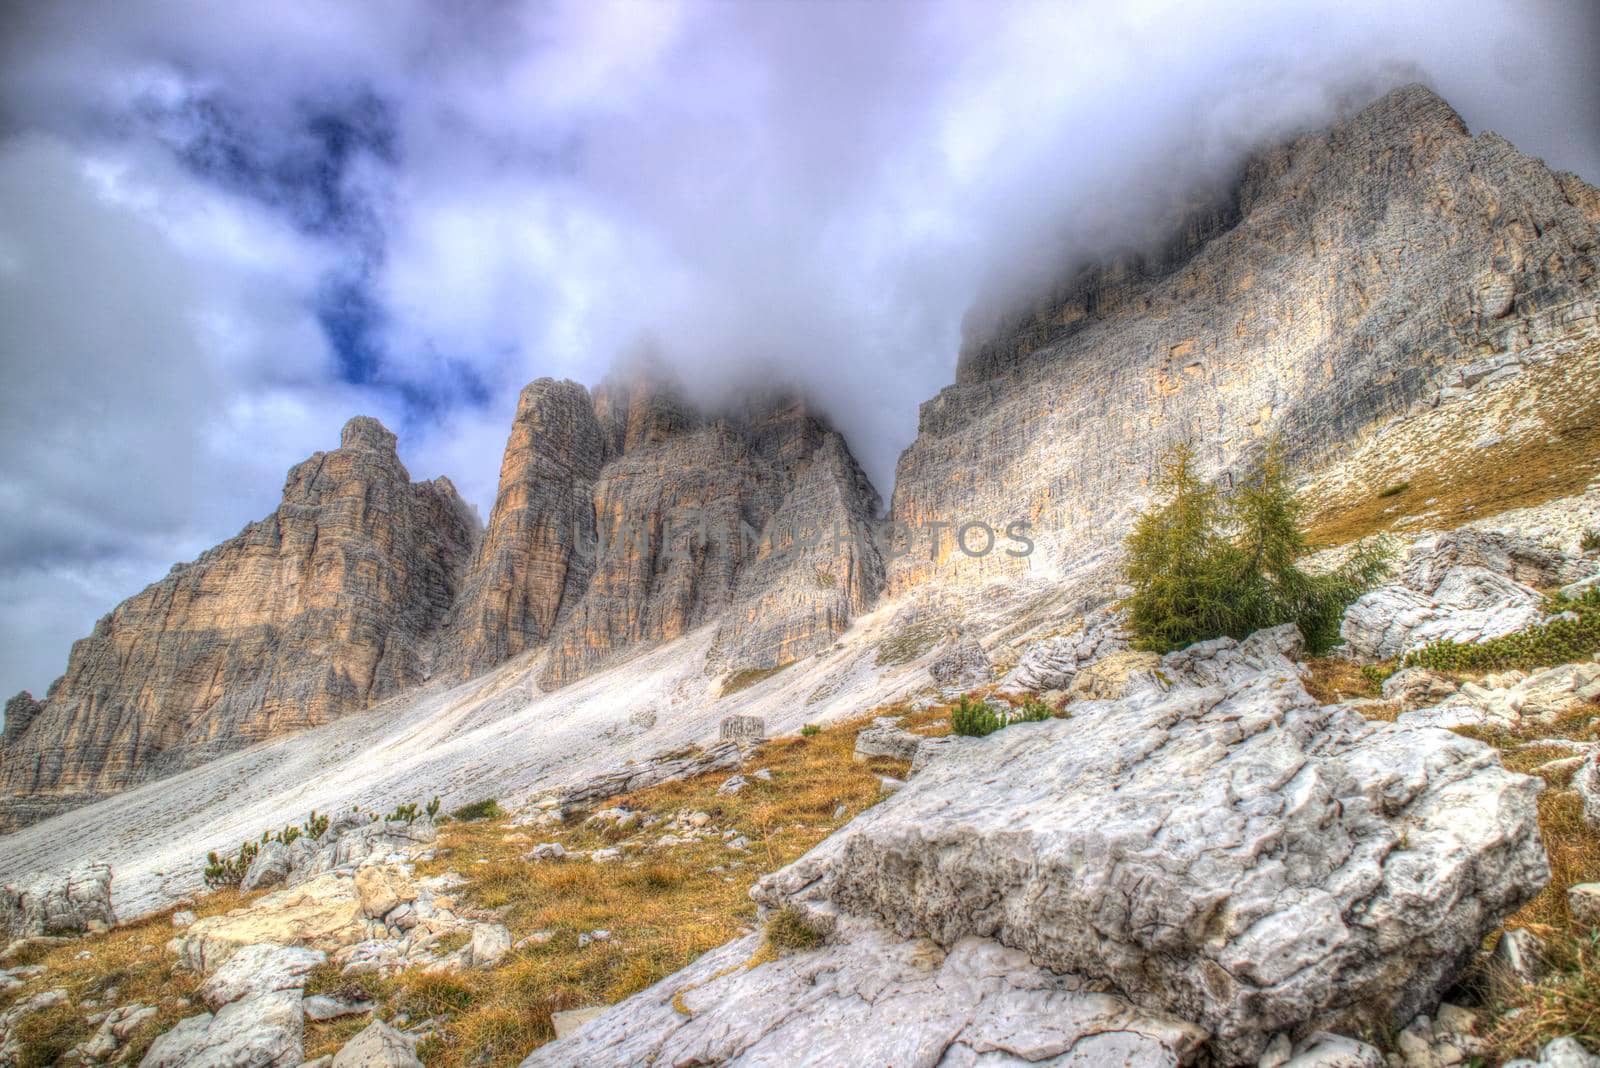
1532,440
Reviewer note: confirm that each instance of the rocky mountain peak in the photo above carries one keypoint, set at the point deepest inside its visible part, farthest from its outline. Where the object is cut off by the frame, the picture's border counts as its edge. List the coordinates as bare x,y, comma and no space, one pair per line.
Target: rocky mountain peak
1353,273
319,609
641,402
365,432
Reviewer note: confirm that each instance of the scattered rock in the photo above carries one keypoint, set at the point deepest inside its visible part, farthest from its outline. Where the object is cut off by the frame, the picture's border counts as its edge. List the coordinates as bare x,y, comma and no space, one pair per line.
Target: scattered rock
567,1022
383,889
269,868
53,904
266,1031
1583,901
867,997
259,969
379,1046
490,942
1324,1050
321,1008
1560,1053
16,1013
724,756
889,784
1393,850
886,738
619,819
960,661
1053,663
183,918
764,774
732,785
1519,955
1413,688
1586,781
1108,678
1461,586
932,749
744,730
547,851
114,1030
324,913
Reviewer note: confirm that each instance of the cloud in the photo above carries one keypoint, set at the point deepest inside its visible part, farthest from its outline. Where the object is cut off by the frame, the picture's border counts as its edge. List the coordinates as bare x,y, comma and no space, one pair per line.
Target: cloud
227,228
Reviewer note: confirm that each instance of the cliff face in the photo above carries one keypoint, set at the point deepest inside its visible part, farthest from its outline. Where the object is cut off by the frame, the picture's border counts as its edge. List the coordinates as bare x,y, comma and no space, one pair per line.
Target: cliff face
534,560
314,611
630,518
1356,273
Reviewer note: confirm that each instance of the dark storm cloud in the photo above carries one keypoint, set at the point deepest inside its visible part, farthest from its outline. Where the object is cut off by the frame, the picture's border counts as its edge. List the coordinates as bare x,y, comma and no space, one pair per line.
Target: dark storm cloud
226,228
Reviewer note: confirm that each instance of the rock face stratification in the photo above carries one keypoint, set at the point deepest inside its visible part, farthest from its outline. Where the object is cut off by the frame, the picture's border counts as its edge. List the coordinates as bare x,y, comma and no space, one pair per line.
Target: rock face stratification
319,609
534,558
1354,273
630,518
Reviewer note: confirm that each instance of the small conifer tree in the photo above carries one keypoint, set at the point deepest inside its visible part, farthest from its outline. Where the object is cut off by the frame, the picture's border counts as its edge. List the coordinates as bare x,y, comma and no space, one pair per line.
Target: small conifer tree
1207,564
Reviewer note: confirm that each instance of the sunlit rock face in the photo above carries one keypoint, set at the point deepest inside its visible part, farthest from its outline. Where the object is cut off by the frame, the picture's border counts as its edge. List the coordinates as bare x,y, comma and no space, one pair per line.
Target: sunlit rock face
319,609
630,518
530,564
1355,273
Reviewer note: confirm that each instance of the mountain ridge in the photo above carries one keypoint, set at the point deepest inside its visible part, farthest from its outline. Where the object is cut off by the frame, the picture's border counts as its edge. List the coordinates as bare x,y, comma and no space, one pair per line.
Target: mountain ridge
1356,273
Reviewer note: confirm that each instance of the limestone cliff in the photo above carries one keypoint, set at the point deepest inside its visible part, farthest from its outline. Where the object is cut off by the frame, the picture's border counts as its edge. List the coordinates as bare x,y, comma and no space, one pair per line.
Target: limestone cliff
316,610
1354,274
532,562
630,517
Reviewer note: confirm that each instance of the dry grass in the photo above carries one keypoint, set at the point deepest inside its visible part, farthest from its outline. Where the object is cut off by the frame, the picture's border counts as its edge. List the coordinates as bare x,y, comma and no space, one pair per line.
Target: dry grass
1331,679
1567,1001
662,906
1448,480
130,964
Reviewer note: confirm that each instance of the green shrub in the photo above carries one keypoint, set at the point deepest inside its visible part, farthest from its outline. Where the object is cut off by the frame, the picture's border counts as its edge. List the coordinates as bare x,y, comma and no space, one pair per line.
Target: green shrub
229,871
406,813
1395,490
486,809
810,730
433,808
1034,711
1590,541
315,826
1559,641
974,719
1205,564
1378,674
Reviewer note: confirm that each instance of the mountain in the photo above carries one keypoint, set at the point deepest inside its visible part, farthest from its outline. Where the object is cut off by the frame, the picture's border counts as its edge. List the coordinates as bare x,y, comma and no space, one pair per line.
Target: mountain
629,518
314,611
1392,279
1353,274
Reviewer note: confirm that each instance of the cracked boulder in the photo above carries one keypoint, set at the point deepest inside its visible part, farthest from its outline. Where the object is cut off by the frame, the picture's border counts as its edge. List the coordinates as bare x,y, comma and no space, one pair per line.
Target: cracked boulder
1053,663
1464,586
54,904
870,997
1224,851
960,662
